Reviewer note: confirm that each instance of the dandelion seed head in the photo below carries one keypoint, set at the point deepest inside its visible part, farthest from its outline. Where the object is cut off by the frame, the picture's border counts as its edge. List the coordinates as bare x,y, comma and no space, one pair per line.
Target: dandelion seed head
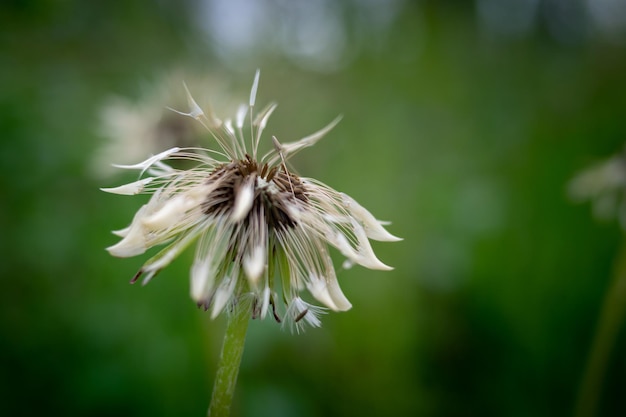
262,232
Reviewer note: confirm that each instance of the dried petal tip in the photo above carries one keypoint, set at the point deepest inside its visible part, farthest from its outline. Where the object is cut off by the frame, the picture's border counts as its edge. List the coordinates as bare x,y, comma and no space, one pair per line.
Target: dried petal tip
131,245
131,188
150,161
136,277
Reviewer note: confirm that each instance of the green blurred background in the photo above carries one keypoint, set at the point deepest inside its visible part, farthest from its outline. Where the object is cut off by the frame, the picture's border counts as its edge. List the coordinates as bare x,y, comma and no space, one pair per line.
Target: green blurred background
463,123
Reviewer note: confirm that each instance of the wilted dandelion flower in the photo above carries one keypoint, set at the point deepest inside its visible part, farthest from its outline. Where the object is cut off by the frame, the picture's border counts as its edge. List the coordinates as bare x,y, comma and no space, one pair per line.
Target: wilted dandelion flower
261,229
604,185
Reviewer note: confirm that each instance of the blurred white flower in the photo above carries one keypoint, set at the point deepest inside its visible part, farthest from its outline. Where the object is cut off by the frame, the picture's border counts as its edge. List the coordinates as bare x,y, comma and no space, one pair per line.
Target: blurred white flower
261,229
604,184
132,128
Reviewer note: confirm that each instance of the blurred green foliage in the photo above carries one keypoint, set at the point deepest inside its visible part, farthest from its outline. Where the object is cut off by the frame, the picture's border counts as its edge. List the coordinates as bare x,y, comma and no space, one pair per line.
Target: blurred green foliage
464,138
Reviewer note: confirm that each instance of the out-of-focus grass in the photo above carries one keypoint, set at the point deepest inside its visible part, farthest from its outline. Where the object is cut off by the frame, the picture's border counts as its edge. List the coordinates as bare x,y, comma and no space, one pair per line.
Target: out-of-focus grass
466,142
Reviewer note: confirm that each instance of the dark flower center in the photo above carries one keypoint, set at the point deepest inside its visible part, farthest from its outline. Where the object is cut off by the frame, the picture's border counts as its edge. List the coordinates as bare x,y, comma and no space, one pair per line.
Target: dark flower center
280,189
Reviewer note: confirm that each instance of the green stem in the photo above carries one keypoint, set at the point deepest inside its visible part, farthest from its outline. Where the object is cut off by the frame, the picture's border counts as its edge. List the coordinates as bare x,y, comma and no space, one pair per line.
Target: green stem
230,359
611,318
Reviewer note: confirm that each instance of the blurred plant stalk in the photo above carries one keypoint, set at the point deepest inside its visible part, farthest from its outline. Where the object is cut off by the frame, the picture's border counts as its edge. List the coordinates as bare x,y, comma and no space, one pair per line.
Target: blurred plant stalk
230,359
611,319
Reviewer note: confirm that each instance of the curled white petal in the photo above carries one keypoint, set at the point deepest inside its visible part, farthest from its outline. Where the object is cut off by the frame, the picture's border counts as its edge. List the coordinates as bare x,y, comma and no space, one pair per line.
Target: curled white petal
363,254
340,242
134,243
367,258
134,239
373,228
318,289
340,300
131,188
328,292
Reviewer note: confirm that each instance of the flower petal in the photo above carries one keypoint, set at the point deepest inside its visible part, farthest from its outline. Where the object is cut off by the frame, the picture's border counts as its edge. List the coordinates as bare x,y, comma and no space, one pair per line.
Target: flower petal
367,258
363,255
132,244
170,214
340,300
121,232
373,228
131,188
134,239
150,161
327,292
291,148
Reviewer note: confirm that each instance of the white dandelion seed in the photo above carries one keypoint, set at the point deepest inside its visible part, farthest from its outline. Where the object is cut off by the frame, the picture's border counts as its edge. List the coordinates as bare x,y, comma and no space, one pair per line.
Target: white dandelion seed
261,229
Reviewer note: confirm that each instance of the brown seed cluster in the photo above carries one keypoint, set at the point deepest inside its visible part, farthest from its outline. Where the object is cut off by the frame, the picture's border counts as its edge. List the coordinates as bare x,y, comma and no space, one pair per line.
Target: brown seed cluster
269,204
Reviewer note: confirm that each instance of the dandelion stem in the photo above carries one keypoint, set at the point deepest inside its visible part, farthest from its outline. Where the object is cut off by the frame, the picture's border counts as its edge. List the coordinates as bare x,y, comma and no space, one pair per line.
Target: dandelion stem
611,318
230,359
